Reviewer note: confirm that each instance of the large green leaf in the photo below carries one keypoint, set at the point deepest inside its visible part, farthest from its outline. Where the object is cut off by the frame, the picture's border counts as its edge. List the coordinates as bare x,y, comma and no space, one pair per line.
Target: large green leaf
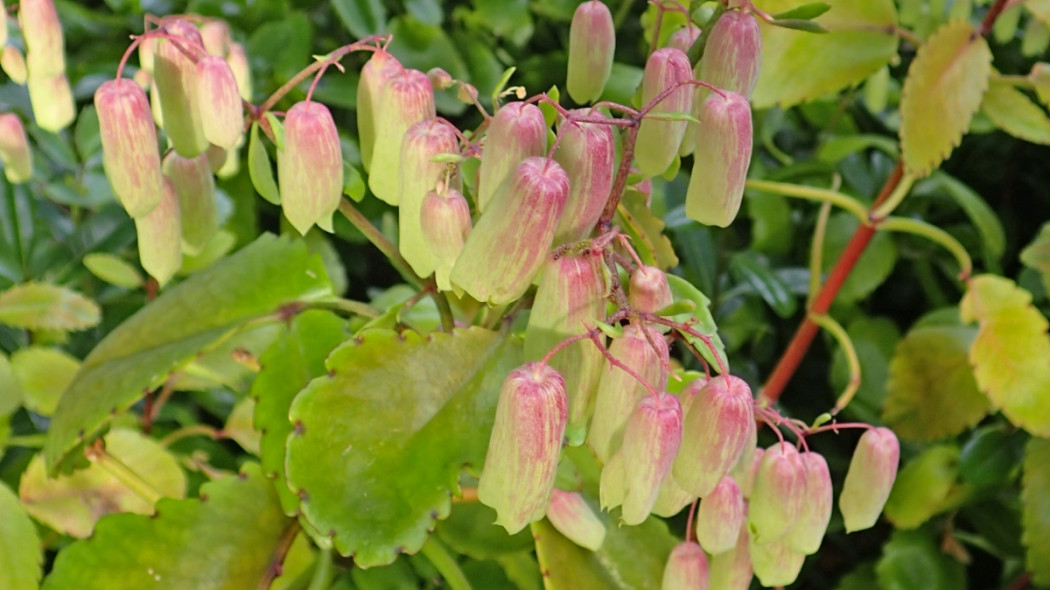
1010,352
71,504
941,93
924,487
630,558
932,392
43,374
265,279
287,366
1015,113
20,553
1035,509
976,208
798,66
224,540
379,442
471,529
37,306
874,265
362,17
911,560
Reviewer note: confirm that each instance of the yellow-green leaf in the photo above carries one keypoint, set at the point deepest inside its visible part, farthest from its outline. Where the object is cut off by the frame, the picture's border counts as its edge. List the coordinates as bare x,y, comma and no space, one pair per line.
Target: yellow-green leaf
1041,10
924,487
38,306
113,270
1015,113
1010,354
931,392
799,66
43,374
1040,79
1037,255
10,390
20,552
646,231
1035,509
941,93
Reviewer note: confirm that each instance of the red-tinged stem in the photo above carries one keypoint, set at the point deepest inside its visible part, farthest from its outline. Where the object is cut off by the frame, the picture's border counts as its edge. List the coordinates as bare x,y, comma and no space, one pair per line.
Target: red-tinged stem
1024,581
690,533
615,363
796,350
993,13
277,561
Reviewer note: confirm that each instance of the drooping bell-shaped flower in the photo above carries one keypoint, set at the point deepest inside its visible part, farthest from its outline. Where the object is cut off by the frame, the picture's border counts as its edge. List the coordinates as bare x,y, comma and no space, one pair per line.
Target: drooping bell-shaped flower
721,515
407,98
510,242
215,34
222,113
612,483
869,478
517,131
648,291
684,38
130,154
445,224
592,43
420,175
744,471
776,564
569,300
658,141
242,71
13,63
195,188
377,70
15,153
643,351
52,101
714,434
574,518
686,569
778,494
3,24
721,157
310,167
808,532
731,570
650,442
159,237
42,34
672,497
587,152
733,53
175,75
147,53
523,453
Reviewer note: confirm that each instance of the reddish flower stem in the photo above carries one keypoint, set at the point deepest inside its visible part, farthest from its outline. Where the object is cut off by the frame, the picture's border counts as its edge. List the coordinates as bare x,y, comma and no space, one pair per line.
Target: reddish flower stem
796,350
992,14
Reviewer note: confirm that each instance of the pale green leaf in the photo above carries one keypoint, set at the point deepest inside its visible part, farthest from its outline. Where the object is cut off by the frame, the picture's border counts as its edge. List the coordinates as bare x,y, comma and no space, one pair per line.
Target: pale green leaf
397,417
1036,255
805,12
1015,113
645,230
1039,8
72,504
264,280
932,392
113,269
362,17
1010,352
224,540
941,93
239,426
923,487
43,373
1035,509
699,319
10,390
259,168
38,306
799,66
20,552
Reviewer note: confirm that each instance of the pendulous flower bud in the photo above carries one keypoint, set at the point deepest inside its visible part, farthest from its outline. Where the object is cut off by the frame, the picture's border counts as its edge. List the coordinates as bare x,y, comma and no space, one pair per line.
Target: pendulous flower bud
592,43
3,24
745,471
523,453
684,38
721,515
176,78
869,478
518,131
649,291
374,75
510,242
721,157
419,175
573,517
215,35
445,224
220,102
15,153
612,485
159,237
147,53
129,145
14,64
242,71
52,101
645,353
407,99
686,568
714,433
776,564
310,167
733,53
658,141
195,188
672,497
808,532
650,442
569,300
42,34
731,570
587,152
778,494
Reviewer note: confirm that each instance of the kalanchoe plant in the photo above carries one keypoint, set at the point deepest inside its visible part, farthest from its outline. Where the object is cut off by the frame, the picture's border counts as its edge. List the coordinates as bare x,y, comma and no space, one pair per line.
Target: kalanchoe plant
592,43
310,167
15,153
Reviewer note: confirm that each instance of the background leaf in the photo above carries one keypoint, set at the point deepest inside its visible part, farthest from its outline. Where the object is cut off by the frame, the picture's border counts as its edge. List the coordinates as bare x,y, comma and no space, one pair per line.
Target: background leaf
20,553
113,270
912,561
1036,509
43,373
874,265
362,17
941,93
38,306
923,487
1015,113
